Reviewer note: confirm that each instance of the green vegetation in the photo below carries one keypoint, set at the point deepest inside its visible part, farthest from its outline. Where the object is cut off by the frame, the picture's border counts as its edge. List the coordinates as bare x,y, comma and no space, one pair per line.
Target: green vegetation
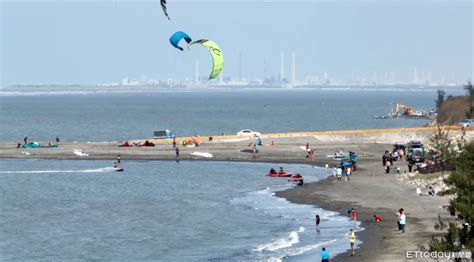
460,233
440,99
454,109
442,149
470,94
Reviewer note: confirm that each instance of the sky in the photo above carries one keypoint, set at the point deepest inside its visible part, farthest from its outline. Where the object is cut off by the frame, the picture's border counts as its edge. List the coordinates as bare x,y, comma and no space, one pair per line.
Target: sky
86,42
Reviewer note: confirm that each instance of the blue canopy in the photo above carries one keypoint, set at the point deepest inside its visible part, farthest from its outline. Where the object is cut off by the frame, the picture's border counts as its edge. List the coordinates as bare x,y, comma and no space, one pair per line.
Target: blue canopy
177,37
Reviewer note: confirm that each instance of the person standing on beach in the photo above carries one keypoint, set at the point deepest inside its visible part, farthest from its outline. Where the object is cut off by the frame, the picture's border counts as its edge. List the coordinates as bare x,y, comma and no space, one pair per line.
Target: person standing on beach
57,139
418,190
354,215
339,173
177,152
352,240
318,221
399,218
25,139
325,256
254,150
402,221
174,142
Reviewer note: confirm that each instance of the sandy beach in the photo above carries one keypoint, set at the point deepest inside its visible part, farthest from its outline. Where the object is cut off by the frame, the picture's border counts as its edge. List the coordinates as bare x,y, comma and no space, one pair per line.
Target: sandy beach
369,190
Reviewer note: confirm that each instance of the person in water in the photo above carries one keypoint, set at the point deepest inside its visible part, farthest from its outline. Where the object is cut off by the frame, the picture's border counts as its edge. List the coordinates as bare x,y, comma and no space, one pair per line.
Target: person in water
119,158
318,221
273,171
301,182
115,165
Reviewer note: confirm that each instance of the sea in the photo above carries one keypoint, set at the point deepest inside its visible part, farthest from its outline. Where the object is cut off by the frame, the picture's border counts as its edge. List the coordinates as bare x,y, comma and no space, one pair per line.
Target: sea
66,210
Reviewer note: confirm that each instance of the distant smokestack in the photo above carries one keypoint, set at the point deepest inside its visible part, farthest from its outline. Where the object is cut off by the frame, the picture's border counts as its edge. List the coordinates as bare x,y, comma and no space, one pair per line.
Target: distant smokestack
282,66
293,69
197,71
240,66
415,80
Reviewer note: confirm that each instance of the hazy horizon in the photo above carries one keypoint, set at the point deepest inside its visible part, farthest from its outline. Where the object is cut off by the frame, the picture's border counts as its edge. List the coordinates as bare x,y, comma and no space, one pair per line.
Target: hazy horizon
103,41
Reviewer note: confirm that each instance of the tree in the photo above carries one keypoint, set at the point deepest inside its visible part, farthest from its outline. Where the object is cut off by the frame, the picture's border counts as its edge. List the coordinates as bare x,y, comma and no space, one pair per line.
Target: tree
443,150
440,99
462,183
470,93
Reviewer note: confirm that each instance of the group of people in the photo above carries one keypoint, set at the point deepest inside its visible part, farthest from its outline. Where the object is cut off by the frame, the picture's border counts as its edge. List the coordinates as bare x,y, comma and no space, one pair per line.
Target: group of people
431,191
25,141
281,171
338,171
326,256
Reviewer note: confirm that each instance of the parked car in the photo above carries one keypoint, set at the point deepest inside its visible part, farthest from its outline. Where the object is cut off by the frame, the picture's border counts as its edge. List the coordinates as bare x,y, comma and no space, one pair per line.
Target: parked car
467,123
248,132
416,152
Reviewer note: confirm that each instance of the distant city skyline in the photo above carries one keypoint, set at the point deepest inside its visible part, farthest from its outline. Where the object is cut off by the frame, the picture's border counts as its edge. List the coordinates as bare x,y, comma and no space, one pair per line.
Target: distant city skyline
104,41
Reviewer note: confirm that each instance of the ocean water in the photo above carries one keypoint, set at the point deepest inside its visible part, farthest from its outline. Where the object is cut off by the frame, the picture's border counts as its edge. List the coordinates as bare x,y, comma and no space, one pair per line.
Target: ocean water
119,116
57,210
162,210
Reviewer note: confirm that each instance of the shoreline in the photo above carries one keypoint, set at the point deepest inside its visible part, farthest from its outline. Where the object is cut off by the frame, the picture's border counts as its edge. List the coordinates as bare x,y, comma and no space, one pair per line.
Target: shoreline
370,190
380,241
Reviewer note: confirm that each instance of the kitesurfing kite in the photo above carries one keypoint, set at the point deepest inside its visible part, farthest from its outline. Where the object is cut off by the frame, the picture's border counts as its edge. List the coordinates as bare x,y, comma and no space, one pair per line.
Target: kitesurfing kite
177,37
217,56
214,50
163,5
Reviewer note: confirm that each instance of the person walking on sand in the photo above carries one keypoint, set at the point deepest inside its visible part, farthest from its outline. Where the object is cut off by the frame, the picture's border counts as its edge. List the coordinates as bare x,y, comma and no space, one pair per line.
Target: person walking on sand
254,150
174,142
352,240
307,146
325,256
318,221
177,151
388,164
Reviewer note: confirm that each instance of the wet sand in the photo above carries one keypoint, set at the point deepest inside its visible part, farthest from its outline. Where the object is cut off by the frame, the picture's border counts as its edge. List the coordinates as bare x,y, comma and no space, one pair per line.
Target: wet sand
370,190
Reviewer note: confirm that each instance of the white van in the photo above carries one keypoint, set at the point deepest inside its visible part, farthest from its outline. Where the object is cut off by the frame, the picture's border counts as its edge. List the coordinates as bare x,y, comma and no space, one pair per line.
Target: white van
467,123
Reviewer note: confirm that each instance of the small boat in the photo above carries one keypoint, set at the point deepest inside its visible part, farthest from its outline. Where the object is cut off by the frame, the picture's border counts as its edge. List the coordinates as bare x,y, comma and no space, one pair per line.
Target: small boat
296,178
112,169
280,175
